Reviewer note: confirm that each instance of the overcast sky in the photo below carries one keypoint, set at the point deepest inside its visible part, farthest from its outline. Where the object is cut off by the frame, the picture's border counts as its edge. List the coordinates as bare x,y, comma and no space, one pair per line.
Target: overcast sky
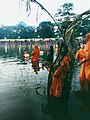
11,13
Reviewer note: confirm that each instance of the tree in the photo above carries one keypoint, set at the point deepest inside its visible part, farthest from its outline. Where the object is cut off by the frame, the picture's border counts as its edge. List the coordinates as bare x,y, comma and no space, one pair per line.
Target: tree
68,44
67,7
21,30
46,30
64,16
83,28
64,12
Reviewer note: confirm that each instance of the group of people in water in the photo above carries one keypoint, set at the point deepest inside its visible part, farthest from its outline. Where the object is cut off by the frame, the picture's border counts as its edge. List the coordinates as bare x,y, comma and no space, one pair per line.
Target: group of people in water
35,58
57,83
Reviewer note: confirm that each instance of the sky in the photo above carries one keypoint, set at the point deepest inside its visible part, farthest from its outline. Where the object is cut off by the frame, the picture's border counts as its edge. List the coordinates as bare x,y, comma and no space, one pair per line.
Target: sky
11,13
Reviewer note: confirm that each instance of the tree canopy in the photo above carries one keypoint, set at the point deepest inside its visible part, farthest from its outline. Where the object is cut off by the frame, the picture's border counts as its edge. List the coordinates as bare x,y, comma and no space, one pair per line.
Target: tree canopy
68,33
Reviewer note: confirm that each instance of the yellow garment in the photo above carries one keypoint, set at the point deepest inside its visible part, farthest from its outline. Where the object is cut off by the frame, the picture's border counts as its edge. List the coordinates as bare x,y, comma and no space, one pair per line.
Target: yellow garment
80,55
87,63
87,49
58,77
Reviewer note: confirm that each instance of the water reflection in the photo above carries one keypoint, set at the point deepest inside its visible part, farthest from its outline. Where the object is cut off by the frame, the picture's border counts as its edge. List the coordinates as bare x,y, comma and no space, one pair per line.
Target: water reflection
56,107
24,80
17,49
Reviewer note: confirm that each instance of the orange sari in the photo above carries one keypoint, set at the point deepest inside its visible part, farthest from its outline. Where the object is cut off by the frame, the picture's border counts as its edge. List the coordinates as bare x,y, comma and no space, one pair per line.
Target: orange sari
58,77
80,55
35,59
87,63
85,69
35,54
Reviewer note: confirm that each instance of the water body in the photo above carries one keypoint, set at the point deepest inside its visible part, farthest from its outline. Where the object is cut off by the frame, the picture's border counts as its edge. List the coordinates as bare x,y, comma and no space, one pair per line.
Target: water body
19,98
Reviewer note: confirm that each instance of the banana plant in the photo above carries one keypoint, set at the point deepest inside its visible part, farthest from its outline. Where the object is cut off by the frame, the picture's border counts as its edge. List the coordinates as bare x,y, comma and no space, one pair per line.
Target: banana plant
67,44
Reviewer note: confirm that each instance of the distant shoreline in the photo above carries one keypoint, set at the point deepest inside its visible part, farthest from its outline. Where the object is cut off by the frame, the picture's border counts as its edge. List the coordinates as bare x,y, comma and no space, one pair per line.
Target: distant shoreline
31,39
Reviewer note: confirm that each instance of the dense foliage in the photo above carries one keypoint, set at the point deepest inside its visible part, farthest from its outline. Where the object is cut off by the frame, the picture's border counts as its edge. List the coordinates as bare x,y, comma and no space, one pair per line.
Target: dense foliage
23,31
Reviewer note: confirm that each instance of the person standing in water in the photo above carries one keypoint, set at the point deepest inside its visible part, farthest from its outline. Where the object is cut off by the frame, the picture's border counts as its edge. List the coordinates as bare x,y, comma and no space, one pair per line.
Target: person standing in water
85,74
80,55
35,58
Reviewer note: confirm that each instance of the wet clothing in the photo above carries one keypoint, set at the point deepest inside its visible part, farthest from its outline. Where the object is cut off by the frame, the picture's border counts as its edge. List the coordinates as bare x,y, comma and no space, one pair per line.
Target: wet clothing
35,54
35,58
87,63
84,55
59,76
85,73
80,55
